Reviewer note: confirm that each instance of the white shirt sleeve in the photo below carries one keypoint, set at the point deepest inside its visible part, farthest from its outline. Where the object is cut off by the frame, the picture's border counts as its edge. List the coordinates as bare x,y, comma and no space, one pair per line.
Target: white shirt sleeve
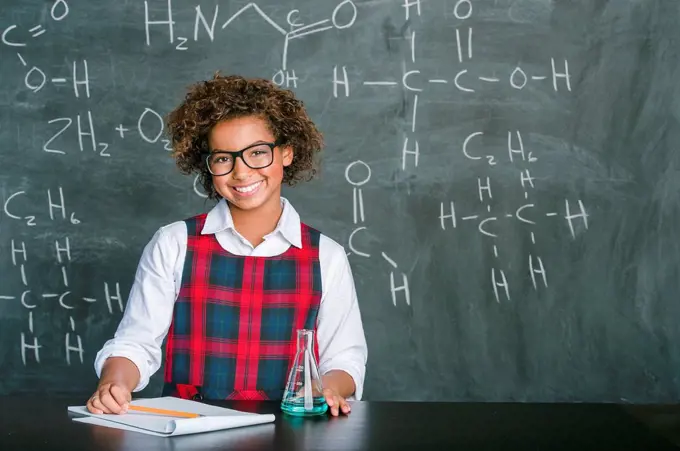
342,344
148,312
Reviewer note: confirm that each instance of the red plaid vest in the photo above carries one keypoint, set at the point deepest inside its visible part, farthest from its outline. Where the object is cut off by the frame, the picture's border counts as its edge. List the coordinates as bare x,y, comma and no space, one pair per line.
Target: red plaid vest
233,332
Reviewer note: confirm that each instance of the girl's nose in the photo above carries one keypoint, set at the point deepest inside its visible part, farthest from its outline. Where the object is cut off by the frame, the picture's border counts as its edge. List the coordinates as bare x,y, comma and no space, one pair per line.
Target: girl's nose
241,169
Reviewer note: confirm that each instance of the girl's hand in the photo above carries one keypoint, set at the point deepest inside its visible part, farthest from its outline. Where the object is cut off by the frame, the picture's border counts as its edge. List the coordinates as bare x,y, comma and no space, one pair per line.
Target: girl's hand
109,398
336,403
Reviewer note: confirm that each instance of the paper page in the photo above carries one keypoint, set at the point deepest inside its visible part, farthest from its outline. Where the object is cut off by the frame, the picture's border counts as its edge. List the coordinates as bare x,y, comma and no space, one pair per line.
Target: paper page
215,418
97,421
141,420
211,424
205,424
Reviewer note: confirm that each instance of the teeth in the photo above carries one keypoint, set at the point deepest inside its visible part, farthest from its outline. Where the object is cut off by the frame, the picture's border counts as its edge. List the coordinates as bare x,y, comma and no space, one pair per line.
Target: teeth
248,189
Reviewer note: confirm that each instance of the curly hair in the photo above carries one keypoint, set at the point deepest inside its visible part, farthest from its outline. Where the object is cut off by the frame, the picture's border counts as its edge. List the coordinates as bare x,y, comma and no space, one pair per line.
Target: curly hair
227,97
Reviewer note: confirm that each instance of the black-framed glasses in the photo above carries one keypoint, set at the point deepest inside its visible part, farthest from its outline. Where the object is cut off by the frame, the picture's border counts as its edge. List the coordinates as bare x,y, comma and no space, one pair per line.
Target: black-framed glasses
255,156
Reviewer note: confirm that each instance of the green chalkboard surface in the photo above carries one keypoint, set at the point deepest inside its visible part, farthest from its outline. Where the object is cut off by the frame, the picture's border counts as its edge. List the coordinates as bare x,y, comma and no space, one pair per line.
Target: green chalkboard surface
503,174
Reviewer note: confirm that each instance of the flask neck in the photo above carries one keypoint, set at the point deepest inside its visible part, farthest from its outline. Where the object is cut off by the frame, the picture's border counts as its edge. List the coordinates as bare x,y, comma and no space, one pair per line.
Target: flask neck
305,338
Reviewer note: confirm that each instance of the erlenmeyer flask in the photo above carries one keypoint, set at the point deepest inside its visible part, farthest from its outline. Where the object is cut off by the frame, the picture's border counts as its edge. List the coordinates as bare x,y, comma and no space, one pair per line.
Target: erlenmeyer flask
303,395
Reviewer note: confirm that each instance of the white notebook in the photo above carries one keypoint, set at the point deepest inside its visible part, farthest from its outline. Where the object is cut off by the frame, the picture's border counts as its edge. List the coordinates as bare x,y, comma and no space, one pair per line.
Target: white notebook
213,419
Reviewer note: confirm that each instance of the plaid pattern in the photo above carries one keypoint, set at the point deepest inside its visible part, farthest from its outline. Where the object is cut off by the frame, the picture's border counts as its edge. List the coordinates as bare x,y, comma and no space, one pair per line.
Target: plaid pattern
234,328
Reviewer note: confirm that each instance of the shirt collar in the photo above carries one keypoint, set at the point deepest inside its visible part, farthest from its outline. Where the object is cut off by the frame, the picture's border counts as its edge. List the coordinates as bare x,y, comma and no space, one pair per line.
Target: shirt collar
219,219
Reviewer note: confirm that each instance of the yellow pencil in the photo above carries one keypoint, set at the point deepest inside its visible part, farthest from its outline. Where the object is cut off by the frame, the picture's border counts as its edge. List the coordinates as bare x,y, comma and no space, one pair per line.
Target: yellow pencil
174,413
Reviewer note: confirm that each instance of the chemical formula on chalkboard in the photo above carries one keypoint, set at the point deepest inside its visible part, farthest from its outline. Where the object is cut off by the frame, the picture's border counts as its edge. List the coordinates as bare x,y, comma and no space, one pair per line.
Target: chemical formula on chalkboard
414,81
105,140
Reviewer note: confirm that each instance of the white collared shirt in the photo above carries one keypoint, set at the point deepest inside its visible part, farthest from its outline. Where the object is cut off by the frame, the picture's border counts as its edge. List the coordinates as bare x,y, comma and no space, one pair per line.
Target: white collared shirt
149,310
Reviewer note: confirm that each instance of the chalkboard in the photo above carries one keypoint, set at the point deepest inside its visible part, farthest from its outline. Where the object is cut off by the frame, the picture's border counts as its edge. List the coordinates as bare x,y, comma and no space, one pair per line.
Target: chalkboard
503,174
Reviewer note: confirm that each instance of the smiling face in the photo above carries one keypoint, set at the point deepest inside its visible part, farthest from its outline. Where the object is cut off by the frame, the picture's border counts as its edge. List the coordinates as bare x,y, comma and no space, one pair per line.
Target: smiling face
245,188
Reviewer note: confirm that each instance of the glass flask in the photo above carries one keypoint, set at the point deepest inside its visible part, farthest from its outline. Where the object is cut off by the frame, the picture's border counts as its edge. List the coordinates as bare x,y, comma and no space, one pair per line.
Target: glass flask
303,395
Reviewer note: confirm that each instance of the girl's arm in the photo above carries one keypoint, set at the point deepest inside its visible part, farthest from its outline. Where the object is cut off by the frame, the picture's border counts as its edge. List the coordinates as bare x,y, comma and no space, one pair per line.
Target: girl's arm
342,344
148,313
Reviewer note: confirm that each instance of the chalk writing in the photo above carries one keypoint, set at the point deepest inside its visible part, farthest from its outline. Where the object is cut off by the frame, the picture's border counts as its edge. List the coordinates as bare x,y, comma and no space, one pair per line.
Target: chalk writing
86,131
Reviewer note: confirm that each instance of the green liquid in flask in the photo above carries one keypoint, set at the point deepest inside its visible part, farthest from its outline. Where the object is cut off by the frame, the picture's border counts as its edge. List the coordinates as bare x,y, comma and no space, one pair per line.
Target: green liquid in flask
296,406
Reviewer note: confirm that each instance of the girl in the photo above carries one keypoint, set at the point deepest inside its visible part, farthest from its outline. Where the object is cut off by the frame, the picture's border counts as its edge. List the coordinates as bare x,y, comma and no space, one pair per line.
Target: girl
230,288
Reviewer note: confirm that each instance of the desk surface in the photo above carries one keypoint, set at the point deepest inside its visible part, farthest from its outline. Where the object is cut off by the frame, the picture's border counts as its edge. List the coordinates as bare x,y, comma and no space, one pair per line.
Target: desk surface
30,423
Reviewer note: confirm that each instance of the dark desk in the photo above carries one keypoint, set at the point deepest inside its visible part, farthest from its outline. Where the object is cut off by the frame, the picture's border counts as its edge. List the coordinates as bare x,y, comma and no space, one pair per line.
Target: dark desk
34,424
